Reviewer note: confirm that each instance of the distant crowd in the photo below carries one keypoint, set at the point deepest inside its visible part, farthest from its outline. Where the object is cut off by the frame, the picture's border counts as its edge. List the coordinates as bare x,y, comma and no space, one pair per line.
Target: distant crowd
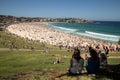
96,50
40,33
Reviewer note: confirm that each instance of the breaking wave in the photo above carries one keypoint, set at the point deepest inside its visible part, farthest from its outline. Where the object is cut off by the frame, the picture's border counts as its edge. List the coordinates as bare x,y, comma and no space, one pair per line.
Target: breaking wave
87,33
107,37
70,30
100,34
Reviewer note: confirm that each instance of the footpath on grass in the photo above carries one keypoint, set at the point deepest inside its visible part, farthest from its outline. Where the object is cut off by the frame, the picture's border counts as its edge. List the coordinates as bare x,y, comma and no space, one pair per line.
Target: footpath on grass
83,55
8,49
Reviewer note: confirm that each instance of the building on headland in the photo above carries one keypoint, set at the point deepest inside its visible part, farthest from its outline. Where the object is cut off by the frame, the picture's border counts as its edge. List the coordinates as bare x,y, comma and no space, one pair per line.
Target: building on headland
6,20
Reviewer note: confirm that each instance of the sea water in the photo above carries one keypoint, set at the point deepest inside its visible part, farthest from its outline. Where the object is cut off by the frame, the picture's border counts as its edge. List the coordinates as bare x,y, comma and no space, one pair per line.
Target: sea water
104,30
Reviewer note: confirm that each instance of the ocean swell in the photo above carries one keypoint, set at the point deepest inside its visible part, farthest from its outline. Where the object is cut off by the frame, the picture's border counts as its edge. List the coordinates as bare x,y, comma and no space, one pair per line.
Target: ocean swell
100,34
82,31
69,30
95,35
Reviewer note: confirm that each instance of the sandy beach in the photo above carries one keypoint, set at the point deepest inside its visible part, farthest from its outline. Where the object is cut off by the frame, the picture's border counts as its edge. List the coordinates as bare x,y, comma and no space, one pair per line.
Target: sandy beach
39,32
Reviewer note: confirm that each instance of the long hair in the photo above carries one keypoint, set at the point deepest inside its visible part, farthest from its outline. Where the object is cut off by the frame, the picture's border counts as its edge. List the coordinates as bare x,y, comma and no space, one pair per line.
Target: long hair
93,54
76,54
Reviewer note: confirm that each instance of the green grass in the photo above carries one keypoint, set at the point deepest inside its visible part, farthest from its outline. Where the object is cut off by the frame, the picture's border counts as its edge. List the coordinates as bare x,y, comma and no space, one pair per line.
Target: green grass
6,39
18,61
36,65
113,61
114,54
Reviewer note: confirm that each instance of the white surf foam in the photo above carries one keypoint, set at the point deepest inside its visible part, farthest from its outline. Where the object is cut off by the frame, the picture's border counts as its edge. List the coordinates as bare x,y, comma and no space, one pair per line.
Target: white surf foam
113,38
62,28
66,29
100,34
108,37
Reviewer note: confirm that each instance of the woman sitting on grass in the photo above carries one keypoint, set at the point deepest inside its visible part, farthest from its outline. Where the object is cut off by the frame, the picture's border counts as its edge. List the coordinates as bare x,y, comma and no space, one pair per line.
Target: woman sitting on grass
76,63
93,62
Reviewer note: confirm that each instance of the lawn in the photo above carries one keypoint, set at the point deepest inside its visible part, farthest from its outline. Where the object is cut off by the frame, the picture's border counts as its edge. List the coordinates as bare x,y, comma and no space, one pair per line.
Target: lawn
14,64
38,65
6,40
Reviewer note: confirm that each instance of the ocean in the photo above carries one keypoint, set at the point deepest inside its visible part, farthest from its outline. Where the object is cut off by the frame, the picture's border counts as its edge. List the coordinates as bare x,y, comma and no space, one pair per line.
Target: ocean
103,30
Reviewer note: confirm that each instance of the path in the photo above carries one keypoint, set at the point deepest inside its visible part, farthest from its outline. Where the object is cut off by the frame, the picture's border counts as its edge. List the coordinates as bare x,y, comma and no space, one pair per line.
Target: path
83,56
8,49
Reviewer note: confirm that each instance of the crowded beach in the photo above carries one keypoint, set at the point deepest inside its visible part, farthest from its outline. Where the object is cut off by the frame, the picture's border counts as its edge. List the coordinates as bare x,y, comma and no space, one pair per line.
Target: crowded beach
38,31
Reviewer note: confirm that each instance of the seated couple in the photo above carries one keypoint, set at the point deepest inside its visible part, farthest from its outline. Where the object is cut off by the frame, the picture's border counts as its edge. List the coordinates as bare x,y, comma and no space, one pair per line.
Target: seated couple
77,62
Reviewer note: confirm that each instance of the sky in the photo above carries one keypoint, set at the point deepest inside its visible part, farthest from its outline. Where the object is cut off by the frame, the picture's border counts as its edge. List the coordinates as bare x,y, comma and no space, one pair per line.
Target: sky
105,10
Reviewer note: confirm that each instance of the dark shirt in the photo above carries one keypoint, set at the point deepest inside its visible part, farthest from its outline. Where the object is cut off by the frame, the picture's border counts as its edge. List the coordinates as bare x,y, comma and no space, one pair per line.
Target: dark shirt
92,66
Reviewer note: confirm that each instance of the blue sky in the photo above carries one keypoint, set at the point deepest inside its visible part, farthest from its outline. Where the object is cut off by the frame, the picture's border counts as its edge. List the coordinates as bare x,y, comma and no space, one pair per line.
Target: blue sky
87,9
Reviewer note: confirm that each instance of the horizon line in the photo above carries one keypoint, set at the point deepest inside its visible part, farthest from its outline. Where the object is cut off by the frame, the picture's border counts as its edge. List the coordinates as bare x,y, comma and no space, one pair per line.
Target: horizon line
56,17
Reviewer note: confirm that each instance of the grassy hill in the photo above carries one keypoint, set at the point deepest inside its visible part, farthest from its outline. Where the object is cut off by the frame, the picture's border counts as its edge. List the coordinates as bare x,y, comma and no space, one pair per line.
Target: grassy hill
17,64
8,40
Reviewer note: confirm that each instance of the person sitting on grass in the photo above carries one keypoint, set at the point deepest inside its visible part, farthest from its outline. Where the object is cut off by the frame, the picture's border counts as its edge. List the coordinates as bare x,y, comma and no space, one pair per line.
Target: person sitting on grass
93,62
103,60
58,58
76,63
